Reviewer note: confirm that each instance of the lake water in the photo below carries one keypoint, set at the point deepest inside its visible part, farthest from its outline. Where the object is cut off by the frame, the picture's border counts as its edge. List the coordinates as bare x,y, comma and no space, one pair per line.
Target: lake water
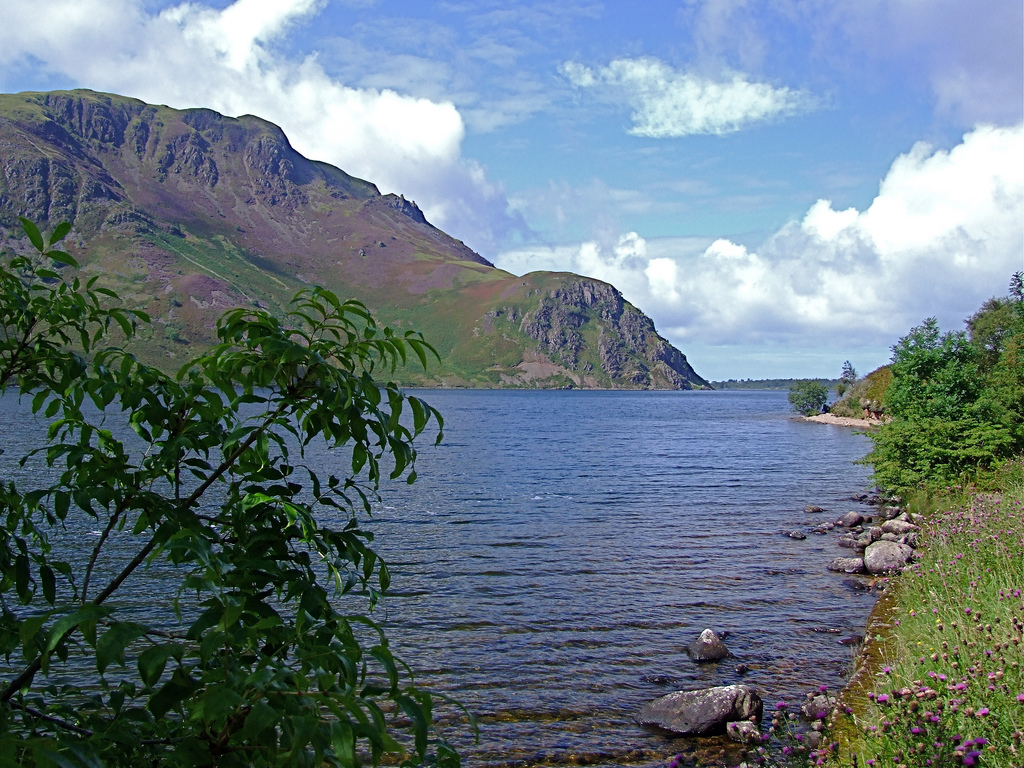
560,549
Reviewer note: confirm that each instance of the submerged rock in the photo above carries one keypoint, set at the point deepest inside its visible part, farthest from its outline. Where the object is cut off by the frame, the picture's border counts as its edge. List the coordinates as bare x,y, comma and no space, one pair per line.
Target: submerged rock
799,535
707,647
695,713
811,508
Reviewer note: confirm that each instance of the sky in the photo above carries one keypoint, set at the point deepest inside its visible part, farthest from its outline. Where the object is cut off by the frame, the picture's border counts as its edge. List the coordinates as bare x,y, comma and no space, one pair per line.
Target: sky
782,185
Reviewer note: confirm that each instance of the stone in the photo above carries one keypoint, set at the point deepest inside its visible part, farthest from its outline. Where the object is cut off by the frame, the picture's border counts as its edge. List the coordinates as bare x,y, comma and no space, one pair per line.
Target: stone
850,519
705,711
875,533
742,669
887,557
799,535
892,537
899,527
811,509
818,706
857,586
847,565
707,647
851,543
743,731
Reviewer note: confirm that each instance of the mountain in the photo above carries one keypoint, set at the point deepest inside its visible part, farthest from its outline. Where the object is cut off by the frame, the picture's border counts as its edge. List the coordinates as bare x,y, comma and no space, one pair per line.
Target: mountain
186,213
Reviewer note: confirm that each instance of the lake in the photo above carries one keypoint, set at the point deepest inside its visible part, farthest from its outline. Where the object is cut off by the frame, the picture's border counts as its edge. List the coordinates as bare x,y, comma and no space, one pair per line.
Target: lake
560,549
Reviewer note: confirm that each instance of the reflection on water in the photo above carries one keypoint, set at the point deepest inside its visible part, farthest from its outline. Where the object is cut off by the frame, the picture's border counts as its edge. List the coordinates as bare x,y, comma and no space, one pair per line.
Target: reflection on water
560,549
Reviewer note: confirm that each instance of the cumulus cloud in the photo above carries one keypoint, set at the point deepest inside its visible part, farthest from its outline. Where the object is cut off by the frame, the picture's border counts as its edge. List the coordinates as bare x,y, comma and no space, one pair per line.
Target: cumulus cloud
669,103
943,234
227,59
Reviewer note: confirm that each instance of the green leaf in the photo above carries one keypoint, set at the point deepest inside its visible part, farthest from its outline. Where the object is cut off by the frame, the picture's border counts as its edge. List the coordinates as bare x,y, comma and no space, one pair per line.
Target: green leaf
59,233
62,257
33,233
111,644
153,661
63,625
49,582
171,694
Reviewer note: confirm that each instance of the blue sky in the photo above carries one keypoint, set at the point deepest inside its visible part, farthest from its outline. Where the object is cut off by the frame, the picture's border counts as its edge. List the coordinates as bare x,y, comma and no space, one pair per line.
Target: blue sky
781,184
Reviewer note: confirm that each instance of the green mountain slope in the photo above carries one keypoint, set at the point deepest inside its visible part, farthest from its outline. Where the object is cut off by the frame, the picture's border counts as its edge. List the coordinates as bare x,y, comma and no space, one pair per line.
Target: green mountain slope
186,213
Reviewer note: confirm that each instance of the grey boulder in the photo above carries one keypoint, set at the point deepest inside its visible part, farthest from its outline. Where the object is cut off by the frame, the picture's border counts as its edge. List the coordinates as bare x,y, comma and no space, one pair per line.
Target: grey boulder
818,706
695,713
743,731
899,527
707,647
850,519
887,556
848,564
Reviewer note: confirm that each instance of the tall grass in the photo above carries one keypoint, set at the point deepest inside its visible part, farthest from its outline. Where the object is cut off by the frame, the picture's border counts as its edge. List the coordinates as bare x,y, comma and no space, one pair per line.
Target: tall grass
948,684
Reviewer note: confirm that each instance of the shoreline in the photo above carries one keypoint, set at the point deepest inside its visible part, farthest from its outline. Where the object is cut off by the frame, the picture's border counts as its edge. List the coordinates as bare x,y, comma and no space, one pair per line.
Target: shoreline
840,421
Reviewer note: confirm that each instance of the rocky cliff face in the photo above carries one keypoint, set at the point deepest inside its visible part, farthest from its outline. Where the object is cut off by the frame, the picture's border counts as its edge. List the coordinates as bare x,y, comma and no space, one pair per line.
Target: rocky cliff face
185,213
629,349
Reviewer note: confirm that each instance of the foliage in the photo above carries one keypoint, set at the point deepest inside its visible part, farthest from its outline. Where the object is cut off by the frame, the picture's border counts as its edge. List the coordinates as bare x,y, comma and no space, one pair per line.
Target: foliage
949,689
808,397
956,400
865,394
255,647
846,380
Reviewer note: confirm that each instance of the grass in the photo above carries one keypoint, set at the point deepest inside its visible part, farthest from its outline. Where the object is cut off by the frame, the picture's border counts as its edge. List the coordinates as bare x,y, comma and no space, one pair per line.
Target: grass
951,691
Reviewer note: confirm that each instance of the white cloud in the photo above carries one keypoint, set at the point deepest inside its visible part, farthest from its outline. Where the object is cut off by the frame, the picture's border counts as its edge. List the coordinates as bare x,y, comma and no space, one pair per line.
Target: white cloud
194,55
668,103
944,233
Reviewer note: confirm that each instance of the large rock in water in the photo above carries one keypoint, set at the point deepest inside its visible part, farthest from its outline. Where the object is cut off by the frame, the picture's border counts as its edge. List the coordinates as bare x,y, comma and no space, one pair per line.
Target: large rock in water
707,647
695,713
886,556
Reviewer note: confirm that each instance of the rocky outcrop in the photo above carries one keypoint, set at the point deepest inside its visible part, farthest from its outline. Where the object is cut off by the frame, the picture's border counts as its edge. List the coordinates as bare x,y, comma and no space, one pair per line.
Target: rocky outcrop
629,349
706,711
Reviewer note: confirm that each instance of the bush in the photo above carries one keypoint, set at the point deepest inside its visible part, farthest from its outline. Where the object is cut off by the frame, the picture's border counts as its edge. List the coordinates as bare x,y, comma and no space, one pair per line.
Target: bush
808,397
264,653
956,400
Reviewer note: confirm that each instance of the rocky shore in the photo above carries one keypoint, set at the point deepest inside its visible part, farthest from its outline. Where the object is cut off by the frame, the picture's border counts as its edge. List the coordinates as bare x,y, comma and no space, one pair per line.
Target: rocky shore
882,542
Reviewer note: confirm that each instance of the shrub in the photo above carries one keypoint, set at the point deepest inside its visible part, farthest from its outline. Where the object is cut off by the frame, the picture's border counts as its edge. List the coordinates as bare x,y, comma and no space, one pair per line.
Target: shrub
263,652
808,397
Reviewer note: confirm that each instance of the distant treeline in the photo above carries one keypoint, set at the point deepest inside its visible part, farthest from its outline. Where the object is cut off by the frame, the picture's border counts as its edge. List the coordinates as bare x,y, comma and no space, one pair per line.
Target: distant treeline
767,383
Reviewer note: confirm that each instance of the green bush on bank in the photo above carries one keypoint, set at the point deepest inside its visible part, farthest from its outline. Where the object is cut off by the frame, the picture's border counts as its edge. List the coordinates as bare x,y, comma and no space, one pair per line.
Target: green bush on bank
956,401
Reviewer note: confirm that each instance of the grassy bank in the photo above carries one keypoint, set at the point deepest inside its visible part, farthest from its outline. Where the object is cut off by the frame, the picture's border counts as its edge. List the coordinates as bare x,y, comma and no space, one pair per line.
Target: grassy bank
940,681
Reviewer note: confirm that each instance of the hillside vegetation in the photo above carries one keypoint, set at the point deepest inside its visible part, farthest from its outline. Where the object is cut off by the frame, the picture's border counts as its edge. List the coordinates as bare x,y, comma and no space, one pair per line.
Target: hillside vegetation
187,213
